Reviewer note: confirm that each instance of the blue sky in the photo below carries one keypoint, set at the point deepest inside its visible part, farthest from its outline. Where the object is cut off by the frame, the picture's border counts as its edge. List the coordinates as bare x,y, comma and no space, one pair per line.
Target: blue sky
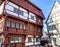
45,5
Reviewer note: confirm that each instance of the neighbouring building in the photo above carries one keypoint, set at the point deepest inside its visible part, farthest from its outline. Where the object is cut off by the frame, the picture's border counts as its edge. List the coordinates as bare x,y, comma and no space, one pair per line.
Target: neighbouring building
53,24
21,24
44,38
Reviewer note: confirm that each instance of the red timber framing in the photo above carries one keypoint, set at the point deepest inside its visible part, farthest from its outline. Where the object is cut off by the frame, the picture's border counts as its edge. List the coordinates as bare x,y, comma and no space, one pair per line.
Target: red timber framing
19,21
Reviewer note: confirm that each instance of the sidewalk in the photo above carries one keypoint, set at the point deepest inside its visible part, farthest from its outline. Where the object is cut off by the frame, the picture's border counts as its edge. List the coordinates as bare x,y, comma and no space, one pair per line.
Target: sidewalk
45,46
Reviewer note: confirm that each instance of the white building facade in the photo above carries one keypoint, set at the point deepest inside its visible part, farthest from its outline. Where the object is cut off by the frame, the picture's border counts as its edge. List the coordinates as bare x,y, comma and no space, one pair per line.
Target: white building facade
53,23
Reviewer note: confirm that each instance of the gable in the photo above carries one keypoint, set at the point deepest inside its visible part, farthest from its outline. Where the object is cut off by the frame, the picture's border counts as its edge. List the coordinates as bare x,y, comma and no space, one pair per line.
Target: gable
56,6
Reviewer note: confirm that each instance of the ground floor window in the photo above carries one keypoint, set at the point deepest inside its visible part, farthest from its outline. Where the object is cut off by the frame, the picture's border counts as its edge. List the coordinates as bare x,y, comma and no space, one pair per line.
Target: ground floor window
12,45
15,39
29,39
54,39
37,39
1,40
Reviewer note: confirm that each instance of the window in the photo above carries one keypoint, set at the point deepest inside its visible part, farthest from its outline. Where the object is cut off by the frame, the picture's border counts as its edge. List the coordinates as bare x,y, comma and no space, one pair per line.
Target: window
21,26
29,39
37,39
8,23
16,10
11,8
17,25
39,30
32,17
13,24
31,28
12,39
52,27
21,12
12,45
1,40
24,27
39,20
15,39
20,39
54,39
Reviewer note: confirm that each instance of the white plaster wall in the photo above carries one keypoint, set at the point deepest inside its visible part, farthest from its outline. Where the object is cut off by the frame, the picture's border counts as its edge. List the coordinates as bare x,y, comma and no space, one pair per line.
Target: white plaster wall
28,44
57,18
58,25
1,8
54,31
37,42
12,4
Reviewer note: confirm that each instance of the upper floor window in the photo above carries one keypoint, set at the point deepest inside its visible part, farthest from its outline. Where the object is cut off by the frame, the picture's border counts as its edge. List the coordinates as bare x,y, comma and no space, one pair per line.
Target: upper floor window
39,20
8,23
23,13
39,30
29,39
24,27
32,16
11,8
13,24
21,26
51,27
17,25
31,28
16,10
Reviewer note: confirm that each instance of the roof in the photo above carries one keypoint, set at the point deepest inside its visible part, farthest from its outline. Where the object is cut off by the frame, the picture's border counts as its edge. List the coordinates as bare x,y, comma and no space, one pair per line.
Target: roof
36,7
